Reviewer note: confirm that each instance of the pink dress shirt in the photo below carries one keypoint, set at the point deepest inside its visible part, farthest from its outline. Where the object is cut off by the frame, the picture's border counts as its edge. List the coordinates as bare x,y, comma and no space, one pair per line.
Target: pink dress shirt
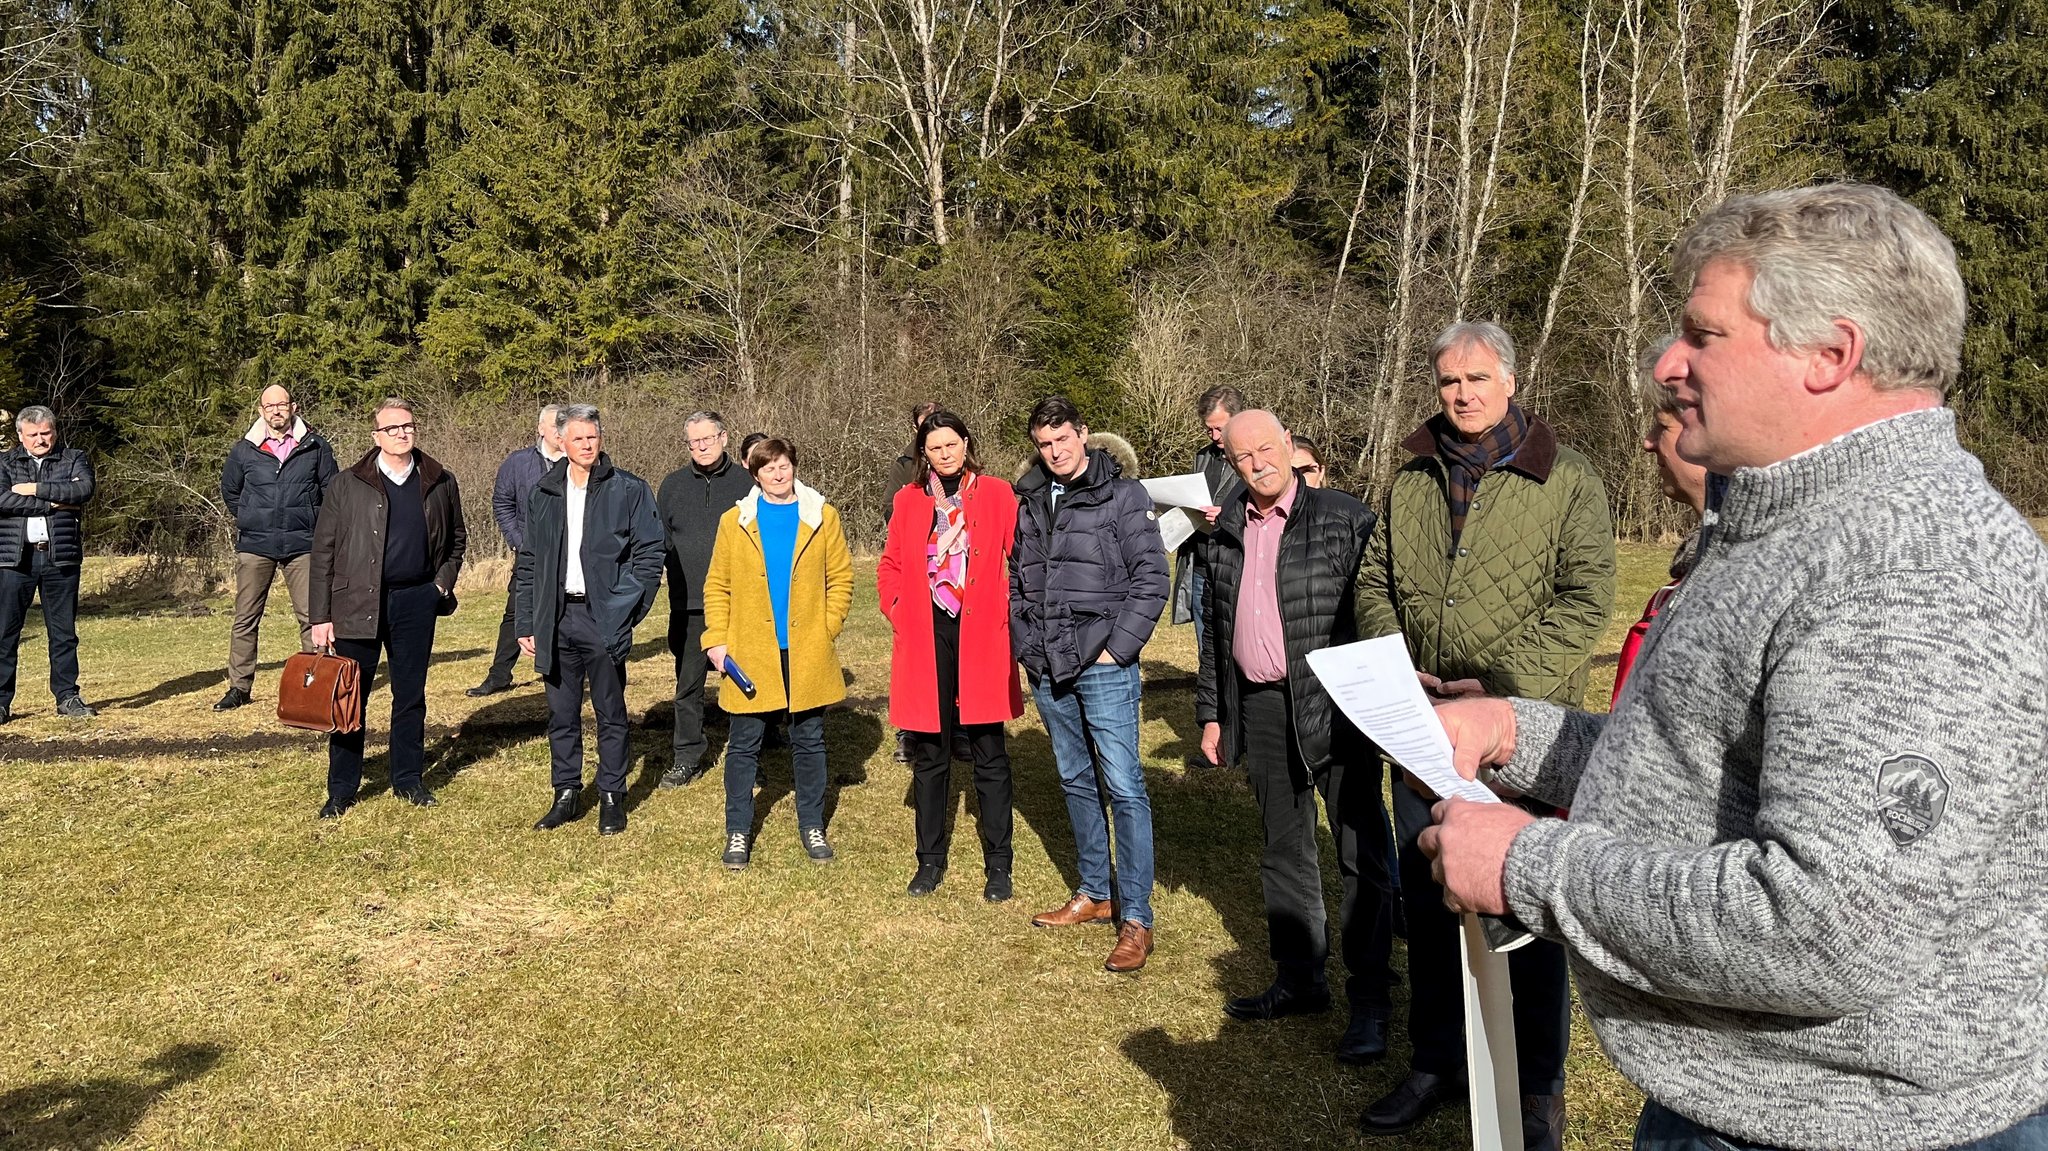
1258,641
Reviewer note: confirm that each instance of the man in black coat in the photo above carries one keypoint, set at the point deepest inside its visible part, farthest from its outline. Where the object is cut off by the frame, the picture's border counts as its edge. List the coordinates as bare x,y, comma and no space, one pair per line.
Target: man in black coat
1282,564
272,484
587,576
1086,588
692,499
43,486
509,495
386,551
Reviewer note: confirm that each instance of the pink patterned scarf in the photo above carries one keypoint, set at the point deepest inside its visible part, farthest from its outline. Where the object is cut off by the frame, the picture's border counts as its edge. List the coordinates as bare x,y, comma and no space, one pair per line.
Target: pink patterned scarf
946,550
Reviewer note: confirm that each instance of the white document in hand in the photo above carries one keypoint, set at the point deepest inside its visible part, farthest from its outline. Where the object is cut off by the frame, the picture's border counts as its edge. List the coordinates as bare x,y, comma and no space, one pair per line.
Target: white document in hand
1373,683
1176,525
1188,491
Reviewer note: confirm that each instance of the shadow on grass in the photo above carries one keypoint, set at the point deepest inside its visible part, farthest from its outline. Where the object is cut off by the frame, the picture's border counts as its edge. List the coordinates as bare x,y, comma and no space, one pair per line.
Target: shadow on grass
266,681
98,1111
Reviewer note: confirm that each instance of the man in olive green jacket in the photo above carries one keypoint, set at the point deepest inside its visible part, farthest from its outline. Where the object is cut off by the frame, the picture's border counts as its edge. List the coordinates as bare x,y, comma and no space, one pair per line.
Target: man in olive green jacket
1496,561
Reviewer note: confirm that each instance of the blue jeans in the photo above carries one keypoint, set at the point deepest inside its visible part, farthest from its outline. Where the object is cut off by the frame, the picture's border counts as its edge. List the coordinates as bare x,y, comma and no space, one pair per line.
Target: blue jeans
1101,707
1662,1129
806,763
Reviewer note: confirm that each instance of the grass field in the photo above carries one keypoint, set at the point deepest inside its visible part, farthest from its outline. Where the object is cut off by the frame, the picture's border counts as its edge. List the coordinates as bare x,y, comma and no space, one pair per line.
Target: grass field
191,960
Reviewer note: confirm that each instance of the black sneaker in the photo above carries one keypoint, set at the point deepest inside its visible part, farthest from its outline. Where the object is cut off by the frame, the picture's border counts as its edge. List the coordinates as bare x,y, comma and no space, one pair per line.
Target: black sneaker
333,808
681,776
738,852
997,888
416,795
927,879
75,708
815,845
235,698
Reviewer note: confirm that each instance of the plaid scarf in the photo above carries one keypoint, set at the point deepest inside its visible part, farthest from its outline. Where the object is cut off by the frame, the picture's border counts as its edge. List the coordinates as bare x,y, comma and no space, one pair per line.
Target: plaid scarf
946,550
1468,462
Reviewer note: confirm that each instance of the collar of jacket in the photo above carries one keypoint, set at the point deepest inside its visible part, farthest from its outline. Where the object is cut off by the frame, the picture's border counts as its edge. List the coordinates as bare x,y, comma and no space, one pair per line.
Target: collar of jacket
431,471
556,482
810,506
1537,457
259,432
724,465
1102,467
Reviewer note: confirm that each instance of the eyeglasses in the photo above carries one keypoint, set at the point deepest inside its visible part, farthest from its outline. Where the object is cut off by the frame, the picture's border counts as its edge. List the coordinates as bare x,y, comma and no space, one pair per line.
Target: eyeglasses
279,407
707,441
398,429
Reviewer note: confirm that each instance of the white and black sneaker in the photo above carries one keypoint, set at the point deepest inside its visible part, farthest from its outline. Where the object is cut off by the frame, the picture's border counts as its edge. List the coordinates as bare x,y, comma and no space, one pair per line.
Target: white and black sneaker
815,845
738,852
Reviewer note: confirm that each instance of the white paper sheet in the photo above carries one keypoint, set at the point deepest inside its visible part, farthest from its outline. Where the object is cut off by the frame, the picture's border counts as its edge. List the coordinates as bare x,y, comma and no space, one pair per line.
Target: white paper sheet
1176,525
1188,491
1373,683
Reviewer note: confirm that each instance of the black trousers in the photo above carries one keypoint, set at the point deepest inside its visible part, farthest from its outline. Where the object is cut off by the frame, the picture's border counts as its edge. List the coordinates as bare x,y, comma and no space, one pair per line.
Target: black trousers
931,764
507,654
579,657
1436,995
59,588
405,630
686,641
1289,869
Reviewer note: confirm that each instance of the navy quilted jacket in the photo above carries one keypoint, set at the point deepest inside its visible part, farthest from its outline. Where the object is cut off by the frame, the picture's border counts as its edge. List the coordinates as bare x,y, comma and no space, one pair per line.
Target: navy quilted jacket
1089,575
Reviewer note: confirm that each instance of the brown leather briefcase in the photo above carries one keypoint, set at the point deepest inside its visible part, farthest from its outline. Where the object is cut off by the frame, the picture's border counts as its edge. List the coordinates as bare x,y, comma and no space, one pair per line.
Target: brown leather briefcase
321,692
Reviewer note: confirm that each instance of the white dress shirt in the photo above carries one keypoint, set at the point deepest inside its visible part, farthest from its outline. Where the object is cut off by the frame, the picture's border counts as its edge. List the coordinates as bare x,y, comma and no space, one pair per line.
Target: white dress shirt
572,548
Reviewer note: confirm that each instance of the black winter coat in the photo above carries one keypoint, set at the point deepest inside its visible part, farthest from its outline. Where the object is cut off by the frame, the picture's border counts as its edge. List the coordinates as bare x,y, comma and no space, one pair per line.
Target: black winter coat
511,491
276,503
1321,546
690,505
621,556
1088,575
65,477
347,580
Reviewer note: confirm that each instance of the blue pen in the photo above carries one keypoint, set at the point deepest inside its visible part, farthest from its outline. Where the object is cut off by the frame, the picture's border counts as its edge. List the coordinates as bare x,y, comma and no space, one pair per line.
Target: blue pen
739,678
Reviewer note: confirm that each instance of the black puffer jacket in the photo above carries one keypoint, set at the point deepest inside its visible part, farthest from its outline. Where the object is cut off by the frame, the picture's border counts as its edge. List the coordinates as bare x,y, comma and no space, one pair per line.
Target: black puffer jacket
347,579
1321,546
1089,576
66,478
275,504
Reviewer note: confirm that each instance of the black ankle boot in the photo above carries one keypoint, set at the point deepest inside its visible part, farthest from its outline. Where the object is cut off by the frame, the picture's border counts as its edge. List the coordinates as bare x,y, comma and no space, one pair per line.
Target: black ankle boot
611,812
565,809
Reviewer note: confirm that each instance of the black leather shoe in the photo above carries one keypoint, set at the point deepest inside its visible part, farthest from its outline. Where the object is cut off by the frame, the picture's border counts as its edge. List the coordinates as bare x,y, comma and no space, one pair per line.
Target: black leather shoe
996,889
6,714
1279,1001
611,812
487,688
927,879
565,809
234,698
1364,1041
417,796
902,754
1543,1123
333,808
682,775
1417,1098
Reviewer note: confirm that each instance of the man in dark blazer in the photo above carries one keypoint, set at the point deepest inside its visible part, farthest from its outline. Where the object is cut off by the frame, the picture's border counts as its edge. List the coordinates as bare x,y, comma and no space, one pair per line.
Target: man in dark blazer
386,550
1282,565
586,577
43,486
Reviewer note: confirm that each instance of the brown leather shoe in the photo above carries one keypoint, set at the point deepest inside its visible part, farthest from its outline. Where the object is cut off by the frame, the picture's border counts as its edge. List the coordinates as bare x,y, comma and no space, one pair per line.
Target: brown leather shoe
1077,910
1133,944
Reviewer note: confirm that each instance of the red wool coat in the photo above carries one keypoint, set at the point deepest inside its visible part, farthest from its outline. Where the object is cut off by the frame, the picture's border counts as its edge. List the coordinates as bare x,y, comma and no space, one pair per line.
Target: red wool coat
989,689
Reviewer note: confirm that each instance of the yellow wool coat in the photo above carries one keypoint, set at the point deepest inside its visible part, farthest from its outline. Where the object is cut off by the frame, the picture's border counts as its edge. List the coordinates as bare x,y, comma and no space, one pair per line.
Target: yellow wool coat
739,614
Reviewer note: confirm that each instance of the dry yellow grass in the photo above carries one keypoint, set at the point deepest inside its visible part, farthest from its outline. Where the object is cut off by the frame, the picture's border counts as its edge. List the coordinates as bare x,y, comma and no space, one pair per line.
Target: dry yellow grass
193,961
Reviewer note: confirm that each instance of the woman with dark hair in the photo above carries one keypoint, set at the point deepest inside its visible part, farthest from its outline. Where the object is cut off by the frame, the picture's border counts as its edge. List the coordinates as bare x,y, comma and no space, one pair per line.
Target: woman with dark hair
1308,462
775,599
944,585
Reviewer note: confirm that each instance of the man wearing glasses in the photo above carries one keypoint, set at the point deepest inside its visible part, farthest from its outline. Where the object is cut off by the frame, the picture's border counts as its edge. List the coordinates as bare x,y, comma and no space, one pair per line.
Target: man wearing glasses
272,484
386,551
691,500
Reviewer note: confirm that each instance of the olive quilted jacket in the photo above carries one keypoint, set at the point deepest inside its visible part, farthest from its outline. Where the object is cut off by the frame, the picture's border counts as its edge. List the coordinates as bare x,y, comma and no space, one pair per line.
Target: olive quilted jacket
1524,596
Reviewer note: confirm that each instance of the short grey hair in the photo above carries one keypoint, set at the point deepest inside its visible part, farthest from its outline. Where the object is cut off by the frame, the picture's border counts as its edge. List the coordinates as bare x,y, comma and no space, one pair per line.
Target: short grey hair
1484,333
35,416
704,416
1659,398
1851,252
547,415
578,414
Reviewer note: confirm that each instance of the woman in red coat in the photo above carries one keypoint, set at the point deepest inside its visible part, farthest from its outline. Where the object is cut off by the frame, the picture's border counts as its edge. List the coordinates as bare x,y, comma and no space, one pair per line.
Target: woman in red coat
944,584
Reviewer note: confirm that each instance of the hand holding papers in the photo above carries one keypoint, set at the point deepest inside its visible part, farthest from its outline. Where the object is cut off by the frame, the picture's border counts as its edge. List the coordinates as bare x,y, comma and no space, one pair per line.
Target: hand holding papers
1180,500
1375,686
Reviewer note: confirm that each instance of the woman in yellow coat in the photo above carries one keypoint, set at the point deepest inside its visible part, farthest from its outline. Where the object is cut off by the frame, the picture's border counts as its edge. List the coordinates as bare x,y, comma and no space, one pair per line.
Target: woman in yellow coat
775,599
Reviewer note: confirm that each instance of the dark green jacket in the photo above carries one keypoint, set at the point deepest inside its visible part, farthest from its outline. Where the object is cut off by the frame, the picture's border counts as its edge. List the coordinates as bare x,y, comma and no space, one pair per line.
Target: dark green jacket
1527,592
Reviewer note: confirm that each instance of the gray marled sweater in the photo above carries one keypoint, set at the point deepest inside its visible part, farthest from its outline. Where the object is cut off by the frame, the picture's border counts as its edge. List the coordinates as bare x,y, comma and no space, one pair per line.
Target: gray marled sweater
1805,878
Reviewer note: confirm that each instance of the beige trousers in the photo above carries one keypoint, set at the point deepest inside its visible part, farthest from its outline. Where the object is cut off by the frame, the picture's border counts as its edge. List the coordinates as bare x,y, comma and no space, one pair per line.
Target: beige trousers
253,576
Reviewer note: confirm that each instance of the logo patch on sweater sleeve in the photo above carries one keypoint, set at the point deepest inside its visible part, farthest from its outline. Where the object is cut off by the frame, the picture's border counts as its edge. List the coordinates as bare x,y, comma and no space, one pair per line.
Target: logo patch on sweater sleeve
1912,794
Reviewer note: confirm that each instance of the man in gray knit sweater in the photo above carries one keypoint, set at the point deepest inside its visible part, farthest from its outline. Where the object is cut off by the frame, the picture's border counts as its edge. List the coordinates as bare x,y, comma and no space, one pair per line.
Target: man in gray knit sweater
1805,879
